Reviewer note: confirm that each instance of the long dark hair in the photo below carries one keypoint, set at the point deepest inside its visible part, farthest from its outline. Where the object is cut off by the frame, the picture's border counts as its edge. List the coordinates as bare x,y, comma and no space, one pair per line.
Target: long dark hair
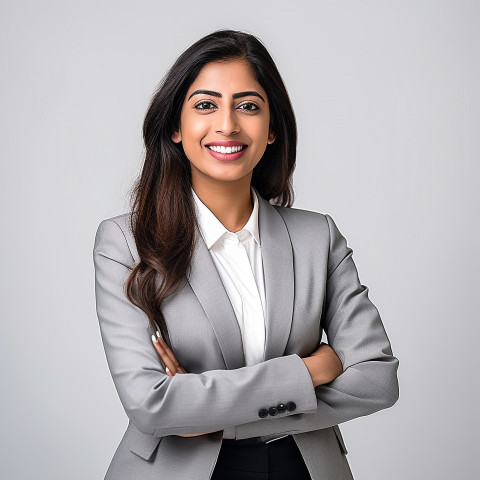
163,216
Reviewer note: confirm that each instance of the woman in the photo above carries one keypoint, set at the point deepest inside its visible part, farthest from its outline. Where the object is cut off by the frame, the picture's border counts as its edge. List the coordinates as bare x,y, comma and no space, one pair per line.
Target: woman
213,293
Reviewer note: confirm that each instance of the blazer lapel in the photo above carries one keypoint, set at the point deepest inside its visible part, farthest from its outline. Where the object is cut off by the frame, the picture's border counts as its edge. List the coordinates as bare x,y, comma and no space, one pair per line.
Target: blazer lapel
277,257
278,271
210,291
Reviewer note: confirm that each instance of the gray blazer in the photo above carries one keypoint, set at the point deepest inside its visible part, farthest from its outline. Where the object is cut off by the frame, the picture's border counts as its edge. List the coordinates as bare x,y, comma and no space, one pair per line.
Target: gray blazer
311,284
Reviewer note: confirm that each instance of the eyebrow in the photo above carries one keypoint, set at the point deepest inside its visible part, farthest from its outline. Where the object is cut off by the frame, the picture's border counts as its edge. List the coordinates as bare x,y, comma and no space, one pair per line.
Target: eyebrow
218,94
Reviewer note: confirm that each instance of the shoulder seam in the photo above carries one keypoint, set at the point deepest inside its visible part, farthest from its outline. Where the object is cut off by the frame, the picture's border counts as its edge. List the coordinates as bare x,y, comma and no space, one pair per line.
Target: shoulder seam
125,238
349,250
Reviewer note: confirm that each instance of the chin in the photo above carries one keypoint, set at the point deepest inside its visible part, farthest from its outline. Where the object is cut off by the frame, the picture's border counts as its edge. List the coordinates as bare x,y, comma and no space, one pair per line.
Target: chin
227,172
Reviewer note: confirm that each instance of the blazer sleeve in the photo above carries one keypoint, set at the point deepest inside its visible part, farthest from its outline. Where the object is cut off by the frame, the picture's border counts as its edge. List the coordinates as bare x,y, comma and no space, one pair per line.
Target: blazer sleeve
355,331
159,404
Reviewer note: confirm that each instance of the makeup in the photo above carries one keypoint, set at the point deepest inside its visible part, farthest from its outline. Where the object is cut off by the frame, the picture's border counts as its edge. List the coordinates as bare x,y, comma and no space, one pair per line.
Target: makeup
227,157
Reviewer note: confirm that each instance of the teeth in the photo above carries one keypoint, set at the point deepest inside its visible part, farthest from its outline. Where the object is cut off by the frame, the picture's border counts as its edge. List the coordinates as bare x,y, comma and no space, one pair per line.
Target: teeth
220,149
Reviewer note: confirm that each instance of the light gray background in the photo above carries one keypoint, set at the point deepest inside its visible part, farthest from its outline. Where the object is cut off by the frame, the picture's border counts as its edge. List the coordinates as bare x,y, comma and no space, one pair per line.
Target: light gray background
386,99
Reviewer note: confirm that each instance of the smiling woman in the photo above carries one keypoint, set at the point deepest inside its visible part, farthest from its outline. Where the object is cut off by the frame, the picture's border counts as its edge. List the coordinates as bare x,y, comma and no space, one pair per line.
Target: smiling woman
232,111
213,292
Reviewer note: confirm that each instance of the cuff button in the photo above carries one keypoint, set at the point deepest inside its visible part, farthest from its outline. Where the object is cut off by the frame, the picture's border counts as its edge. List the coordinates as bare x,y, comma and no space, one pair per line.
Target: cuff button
281,408
291,406
263,412
273,411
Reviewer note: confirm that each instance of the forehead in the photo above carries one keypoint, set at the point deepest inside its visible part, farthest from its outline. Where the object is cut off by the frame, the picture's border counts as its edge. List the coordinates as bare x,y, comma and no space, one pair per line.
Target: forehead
226,76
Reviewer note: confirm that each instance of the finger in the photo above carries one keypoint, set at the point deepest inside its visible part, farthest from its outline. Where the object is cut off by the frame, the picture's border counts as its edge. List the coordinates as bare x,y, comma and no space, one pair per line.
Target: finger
163,355
164,358
167,361
172,363
167,348
169,352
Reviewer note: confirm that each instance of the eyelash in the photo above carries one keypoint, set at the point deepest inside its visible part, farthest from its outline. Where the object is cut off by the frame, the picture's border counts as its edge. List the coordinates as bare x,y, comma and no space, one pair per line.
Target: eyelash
211,103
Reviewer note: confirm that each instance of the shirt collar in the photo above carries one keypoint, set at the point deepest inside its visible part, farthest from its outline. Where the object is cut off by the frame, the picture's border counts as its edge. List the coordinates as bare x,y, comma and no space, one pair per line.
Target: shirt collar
211,227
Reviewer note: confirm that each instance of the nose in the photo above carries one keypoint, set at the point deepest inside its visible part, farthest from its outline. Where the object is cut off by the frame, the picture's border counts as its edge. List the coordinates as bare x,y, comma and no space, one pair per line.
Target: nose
227,122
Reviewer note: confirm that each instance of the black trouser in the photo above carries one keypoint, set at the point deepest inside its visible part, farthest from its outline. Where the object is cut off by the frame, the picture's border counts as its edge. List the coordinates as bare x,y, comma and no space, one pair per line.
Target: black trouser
277,460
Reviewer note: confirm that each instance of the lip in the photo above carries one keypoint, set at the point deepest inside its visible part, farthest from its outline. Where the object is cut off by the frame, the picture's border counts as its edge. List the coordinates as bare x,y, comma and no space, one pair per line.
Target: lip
226,157
230,143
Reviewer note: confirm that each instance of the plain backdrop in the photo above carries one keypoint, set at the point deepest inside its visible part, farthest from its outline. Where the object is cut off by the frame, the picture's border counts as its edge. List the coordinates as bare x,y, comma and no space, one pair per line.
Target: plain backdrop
387,105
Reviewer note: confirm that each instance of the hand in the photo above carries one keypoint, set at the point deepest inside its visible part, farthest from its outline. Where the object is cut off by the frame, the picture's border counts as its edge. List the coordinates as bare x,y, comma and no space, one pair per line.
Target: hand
167,356
324,365
172,367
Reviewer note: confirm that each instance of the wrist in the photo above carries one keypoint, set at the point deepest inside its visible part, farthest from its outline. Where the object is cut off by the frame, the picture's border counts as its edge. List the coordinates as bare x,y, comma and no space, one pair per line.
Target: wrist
315,370
323,367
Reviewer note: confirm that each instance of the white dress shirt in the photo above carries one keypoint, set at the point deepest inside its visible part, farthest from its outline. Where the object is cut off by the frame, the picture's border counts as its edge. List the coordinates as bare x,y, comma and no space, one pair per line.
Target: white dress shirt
238,259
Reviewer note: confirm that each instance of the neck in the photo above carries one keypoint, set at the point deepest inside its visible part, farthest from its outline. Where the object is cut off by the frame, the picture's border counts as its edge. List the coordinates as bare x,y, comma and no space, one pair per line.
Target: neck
230,202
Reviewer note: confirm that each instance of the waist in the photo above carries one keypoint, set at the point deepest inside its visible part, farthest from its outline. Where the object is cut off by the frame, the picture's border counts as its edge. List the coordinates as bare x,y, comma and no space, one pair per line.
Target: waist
257,441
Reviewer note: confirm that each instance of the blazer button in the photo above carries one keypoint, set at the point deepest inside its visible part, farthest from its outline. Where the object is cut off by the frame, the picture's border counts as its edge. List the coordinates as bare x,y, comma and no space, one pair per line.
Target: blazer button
281,408
291,406
273,411
263,412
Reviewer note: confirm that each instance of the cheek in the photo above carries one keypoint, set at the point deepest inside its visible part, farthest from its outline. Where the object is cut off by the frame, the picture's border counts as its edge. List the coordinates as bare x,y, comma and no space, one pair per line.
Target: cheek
257,130
194,131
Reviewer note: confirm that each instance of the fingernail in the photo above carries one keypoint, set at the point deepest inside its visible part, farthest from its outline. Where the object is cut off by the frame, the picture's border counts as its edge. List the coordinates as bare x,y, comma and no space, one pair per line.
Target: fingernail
154,339
167,370
158,335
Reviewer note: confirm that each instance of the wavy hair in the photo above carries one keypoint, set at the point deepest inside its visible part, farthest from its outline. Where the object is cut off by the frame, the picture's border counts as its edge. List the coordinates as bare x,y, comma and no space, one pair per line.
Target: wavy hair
163,219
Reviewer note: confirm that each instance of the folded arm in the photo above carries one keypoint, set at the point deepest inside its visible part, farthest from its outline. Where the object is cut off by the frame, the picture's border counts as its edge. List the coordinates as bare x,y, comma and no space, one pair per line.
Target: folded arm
355,331
159,404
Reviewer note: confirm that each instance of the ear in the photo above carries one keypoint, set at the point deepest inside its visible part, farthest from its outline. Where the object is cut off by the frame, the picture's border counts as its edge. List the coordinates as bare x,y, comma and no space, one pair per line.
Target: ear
271,137
176,136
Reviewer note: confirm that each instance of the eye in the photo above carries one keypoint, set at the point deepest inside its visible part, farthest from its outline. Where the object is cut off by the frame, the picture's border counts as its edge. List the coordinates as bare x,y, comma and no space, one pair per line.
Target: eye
204,102
251,105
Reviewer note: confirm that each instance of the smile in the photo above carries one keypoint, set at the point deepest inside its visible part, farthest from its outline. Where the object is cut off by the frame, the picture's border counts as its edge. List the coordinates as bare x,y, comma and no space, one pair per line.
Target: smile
226,153
219,149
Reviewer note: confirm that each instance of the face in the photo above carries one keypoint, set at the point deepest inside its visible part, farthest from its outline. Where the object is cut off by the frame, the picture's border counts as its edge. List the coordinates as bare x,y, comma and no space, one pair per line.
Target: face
235,109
